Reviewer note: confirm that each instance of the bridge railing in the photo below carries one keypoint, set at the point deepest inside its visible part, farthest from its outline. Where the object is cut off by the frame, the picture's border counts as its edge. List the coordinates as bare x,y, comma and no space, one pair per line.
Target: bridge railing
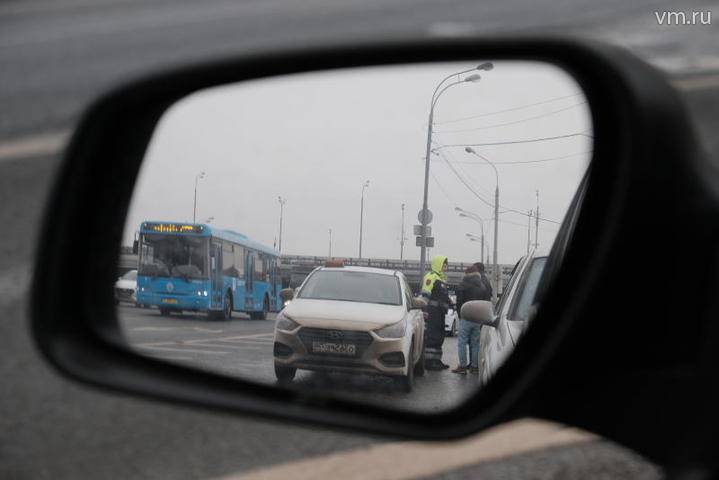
394,264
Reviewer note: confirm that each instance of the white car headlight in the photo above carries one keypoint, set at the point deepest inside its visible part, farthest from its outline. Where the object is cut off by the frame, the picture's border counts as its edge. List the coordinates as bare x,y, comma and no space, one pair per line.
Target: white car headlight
285,323
396,330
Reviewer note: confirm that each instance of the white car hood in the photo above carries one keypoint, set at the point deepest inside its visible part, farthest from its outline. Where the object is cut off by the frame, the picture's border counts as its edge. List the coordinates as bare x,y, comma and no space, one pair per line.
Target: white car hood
343,315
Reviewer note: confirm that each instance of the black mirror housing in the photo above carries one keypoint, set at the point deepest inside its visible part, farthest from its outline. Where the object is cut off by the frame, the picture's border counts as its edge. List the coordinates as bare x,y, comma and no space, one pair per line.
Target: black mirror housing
558,370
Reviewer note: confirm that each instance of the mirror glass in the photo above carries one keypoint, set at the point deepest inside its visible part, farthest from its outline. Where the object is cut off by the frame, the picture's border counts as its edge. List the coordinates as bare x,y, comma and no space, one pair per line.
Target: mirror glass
276,229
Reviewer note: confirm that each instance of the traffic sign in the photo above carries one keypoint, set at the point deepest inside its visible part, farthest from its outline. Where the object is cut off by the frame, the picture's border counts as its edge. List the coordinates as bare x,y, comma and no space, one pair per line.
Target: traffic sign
429,242
418,230
424,216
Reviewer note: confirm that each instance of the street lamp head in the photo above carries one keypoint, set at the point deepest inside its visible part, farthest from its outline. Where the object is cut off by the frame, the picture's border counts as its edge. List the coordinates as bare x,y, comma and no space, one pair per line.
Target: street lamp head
469,150
457,209
473,78
486,66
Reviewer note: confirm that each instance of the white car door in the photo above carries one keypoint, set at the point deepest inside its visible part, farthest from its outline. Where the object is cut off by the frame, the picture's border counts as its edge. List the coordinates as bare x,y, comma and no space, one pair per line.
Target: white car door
496,342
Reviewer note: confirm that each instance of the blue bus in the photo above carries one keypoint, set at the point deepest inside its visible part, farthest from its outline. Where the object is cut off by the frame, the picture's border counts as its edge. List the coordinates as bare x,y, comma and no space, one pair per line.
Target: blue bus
195,267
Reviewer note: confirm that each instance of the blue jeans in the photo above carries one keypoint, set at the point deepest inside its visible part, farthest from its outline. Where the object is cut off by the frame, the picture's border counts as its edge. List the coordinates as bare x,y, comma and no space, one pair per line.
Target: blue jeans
468,335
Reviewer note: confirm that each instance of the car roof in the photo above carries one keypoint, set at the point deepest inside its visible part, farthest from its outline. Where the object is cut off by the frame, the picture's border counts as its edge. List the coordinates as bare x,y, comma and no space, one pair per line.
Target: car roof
379,271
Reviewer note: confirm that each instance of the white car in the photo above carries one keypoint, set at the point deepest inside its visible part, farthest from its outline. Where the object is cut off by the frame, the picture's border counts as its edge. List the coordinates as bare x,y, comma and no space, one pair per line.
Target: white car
126,288
351,319
512,314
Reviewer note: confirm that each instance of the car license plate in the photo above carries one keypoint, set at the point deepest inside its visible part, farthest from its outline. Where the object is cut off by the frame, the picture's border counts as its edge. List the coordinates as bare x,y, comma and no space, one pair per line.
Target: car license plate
348,349
169,300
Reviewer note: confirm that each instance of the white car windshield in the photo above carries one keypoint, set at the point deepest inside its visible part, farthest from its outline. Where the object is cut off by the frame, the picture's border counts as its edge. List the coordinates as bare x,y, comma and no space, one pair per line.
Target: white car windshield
352,286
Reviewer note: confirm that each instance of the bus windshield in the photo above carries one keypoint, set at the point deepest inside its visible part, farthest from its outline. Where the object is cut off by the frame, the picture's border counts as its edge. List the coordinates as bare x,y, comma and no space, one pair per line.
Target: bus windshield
174,256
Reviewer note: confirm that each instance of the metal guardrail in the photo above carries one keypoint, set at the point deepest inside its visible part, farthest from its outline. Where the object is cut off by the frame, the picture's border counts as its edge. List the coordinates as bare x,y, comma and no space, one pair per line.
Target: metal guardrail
404,265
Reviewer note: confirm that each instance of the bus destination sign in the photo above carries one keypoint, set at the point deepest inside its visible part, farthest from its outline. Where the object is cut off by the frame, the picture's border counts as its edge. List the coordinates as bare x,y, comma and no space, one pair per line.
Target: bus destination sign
173,228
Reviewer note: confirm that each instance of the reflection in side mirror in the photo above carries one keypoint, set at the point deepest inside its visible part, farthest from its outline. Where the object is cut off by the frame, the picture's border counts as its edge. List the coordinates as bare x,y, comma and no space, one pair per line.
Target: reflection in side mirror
286,294
419,302
522,130
478,311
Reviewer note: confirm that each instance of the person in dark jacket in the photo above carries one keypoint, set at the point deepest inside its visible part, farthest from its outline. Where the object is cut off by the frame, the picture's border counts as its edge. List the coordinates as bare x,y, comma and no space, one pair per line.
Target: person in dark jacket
475,286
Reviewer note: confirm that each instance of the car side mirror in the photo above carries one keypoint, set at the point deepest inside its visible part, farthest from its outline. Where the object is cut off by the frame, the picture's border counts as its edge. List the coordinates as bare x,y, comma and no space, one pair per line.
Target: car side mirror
287,294
553,373
478,311
418,303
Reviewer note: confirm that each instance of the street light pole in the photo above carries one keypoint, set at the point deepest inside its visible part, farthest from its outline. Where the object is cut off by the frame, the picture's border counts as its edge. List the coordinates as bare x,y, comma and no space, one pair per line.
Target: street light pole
194,207
536,224
435,97
330,253
401,240
474,238
476,218
529,230
496,219
364,186
282,202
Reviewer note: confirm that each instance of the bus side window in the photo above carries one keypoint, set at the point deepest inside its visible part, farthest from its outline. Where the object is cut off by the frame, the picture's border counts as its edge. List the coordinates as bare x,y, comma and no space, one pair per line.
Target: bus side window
228,260
239,260
258,274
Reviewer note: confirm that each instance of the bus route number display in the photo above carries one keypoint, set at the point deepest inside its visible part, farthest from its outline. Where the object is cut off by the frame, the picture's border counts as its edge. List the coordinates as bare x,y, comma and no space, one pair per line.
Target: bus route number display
172,228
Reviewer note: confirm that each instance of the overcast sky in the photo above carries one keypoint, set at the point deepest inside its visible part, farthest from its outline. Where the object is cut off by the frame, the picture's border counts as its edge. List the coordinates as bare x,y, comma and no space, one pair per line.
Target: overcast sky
315,138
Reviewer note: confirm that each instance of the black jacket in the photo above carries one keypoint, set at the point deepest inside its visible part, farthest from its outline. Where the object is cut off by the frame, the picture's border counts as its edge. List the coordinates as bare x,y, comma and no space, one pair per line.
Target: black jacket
474,286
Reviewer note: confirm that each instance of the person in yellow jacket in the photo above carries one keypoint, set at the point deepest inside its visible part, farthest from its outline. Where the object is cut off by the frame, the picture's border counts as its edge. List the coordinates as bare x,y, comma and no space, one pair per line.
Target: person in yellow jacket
434,287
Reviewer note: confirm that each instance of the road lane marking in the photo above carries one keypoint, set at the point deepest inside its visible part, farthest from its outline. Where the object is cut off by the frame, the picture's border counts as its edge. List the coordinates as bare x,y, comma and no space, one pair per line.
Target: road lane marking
163,347
700,82
257,335
42,144
210,344
206,330
153,329
246,342
411,460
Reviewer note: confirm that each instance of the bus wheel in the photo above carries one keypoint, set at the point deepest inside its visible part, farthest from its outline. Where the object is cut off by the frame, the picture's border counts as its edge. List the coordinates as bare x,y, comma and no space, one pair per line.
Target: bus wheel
165,312
262,314
227,307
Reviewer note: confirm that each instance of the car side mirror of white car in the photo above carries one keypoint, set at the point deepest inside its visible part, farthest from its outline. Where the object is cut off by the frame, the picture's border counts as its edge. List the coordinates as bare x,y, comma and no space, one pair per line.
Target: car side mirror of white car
478,311
287,294
418,303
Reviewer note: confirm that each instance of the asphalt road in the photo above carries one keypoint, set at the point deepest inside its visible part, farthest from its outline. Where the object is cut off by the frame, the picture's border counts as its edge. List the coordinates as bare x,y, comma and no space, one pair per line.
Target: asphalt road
242,348
55,57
